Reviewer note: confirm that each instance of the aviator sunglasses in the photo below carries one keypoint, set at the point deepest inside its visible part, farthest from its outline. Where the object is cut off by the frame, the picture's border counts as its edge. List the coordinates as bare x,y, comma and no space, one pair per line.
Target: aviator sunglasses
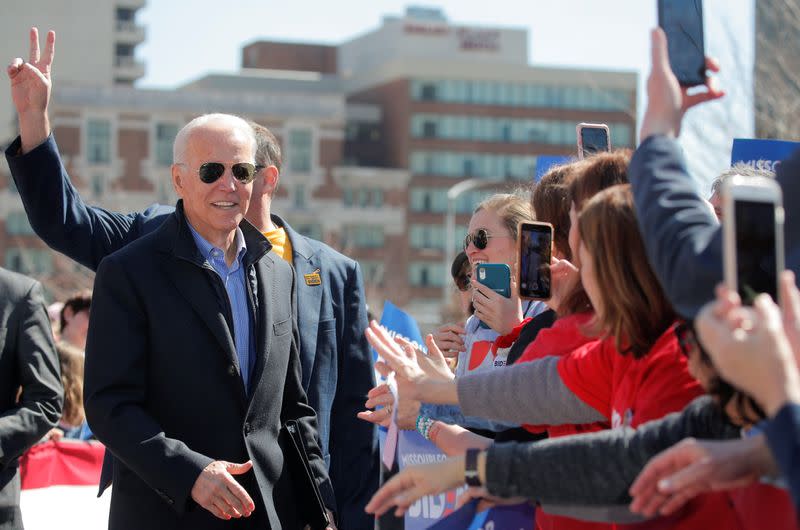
480,239
244,172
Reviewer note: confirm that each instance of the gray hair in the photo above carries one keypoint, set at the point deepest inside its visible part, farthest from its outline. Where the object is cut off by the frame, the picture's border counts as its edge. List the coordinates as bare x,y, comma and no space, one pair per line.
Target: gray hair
183,136
760,169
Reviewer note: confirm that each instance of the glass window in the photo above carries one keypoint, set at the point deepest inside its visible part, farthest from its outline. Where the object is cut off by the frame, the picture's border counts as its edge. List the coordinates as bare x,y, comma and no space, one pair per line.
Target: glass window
29,260
425,274
363,236
98,185
347,196
377,198
98,144
165,136
17,224
428,92
299,196
300,150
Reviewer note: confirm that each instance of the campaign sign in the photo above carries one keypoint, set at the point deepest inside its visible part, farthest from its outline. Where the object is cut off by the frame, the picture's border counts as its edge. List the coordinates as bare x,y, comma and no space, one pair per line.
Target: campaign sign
545,162
761,154
514,517
413,449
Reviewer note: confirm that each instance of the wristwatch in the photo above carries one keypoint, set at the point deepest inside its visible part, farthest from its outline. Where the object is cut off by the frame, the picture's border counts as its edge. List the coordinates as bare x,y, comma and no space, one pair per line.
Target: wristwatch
471,476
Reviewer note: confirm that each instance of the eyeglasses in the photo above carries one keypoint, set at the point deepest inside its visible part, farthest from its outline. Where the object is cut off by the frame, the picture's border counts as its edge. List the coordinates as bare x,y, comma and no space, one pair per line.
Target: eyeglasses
463,282
244,172
480,239
686,338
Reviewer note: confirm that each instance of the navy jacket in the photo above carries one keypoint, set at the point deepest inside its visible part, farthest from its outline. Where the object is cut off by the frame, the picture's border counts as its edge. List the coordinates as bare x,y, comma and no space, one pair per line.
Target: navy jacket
681,234
336,360
163,385
783,438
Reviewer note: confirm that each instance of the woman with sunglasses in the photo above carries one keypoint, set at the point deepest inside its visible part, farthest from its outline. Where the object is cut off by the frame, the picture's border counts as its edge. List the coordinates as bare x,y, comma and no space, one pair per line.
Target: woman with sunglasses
634,374
491,238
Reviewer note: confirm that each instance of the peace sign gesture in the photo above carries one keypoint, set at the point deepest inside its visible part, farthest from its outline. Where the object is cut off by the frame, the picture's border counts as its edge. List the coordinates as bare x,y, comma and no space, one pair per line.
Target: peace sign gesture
30,89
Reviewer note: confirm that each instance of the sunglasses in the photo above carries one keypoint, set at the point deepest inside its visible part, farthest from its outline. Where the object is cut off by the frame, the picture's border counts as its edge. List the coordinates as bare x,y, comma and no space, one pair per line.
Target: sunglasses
463,282
686,338
244,172
480,239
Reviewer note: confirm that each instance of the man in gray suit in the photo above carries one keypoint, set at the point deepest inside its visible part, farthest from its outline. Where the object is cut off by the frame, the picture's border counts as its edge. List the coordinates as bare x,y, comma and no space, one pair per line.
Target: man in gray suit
28,360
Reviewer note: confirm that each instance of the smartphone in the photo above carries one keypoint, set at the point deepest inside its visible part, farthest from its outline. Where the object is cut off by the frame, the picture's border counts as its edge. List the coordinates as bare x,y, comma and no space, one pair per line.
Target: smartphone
592,138
682,21
535,243
752,223
496,276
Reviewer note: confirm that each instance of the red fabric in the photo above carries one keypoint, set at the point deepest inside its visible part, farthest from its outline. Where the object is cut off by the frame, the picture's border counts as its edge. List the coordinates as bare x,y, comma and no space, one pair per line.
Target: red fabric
61,464
562,338
763,506
478,353
507,340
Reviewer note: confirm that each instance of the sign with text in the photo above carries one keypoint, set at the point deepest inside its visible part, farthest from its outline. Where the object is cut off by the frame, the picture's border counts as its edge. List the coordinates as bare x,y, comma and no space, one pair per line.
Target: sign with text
761,154
513,517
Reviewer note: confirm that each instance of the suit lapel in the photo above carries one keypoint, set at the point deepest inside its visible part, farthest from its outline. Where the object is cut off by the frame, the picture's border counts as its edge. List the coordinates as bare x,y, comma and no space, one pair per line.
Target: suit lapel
264,319
306,264
194,288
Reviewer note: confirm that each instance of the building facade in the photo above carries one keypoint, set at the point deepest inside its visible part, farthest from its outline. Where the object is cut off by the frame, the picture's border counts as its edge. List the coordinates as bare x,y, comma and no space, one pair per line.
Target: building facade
373,131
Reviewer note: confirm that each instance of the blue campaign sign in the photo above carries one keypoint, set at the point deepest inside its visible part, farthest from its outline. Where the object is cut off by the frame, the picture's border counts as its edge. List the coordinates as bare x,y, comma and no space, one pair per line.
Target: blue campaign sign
413,449
398,322
545,162
514,517
763,154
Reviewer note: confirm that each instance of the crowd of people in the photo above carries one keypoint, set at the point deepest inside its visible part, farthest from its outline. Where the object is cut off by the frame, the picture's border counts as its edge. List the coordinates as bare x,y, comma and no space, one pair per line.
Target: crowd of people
220,346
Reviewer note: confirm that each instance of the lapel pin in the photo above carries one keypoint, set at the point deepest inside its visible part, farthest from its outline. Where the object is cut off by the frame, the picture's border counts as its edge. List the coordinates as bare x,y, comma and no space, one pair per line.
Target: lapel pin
313,278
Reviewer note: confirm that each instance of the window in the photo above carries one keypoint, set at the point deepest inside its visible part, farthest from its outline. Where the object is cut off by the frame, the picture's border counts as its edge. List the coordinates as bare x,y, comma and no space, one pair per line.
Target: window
300,150
98,144
98,185
377,198
347,197
363,198
426,274
165,136
428,92
299,196
29,260
429,129
363,236
372,272
17,224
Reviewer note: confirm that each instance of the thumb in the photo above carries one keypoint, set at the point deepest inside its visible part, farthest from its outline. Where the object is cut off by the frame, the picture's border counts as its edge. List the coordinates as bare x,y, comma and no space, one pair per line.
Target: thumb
433,350
659,54
238,469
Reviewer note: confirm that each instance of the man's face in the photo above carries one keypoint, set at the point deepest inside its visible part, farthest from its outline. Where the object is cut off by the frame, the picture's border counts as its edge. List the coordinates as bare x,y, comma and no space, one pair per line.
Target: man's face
215,209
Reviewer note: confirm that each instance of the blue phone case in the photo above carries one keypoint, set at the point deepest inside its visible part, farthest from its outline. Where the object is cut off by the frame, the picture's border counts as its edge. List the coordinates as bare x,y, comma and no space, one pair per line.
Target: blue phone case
496,276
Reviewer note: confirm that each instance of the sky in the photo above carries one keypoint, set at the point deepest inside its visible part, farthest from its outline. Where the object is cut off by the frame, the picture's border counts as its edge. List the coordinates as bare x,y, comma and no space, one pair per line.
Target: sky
186,40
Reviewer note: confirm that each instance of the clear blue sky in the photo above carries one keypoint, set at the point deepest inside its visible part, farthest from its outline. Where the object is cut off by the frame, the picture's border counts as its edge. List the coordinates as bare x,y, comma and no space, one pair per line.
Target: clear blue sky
188,39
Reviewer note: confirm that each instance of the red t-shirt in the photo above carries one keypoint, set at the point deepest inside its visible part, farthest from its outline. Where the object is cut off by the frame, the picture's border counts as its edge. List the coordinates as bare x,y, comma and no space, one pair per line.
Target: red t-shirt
562,338
630,392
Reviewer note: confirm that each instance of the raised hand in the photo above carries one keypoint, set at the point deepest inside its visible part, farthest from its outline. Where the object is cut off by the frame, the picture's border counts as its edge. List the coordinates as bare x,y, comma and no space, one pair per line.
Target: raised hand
432,363
667,101
30,89
564,276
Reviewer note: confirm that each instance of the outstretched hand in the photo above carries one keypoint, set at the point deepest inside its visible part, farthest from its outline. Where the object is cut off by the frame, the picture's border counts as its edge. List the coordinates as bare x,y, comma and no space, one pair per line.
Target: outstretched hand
667,101
30,89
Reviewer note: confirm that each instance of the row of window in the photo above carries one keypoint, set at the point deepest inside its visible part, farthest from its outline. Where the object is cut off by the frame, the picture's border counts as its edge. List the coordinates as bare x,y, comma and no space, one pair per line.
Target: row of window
17,224
363,236
485,165
362,197
507,130
521,94
426,274
435,236
99,138
434,200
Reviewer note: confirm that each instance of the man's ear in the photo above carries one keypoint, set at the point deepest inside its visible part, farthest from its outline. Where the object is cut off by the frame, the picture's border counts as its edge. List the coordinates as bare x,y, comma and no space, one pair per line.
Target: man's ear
177,185
271,178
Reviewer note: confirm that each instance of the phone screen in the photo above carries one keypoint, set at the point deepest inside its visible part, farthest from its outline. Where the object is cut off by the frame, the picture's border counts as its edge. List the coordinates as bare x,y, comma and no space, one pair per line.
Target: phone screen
755,249
682,21
534,261
594,140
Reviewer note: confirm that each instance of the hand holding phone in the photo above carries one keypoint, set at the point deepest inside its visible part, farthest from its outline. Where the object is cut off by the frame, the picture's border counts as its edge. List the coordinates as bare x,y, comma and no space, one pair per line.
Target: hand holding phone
592,138
497,277
534,253
682,22
752,221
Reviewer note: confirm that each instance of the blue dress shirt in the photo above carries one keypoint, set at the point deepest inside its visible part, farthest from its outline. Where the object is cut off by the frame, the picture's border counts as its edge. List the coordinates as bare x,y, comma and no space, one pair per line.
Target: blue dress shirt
235,282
